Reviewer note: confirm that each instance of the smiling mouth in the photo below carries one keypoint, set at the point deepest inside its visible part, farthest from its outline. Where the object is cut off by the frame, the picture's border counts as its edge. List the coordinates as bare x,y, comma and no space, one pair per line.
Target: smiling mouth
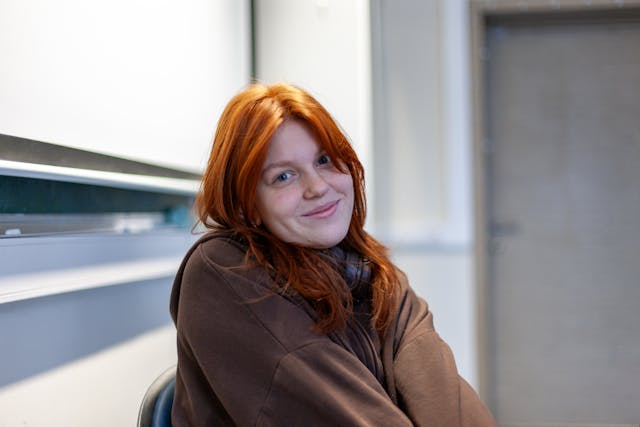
324,210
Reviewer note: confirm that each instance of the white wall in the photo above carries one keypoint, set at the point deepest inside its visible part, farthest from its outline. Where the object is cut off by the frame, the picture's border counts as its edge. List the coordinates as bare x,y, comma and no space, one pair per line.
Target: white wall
422,165
140,79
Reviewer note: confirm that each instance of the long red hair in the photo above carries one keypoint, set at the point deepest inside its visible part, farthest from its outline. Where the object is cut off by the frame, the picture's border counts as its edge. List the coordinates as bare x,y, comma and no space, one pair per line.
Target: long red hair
225,202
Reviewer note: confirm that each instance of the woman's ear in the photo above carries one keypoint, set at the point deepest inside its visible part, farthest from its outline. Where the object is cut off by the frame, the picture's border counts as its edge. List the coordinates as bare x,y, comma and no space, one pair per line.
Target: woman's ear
255,219
255,222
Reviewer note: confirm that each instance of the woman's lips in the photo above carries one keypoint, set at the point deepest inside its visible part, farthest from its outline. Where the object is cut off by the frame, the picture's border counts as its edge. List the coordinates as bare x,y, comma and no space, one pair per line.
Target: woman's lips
323,211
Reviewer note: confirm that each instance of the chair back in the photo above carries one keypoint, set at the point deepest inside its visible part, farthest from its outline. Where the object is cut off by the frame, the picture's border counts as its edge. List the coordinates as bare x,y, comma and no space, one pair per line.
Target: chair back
155,409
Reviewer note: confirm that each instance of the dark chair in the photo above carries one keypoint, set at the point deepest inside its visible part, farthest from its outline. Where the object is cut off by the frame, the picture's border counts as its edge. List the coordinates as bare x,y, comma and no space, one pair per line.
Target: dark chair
155,410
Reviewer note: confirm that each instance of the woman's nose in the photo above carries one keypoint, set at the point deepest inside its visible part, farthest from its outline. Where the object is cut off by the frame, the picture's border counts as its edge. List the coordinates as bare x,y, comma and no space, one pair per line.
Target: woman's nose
315,185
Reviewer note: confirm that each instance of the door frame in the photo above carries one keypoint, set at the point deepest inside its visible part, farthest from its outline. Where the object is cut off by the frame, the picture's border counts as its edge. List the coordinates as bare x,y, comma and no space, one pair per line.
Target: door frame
481,15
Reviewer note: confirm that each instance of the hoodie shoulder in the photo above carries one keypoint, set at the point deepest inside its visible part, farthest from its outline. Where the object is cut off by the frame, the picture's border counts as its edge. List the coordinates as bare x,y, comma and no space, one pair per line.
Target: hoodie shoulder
218,251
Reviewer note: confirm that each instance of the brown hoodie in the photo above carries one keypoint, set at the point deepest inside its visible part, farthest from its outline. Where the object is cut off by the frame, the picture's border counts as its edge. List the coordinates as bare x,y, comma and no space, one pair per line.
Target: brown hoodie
248,357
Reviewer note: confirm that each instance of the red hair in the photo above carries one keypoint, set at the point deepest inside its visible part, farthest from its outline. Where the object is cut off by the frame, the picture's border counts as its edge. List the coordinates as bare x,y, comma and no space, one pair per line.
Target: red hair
226,202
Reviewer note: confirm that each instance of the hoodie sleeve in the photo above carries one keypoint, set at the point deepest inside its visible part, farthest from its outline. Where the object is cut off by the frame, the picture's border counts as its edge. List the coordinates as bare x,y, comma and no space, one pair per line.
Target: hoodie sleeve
427,383
247,357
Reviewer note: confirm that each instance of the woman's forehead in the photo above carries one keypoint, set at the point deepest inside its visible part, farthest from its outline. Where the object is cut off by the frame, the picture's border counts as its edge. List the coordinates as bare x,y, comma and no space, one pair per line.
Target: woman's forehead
293,138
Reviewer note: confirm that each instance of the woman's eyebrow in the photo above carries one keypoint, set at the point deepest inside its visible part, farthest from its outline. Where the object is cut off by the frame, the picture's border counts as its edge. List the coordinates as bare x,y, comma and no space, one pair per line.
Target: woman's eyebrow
276,165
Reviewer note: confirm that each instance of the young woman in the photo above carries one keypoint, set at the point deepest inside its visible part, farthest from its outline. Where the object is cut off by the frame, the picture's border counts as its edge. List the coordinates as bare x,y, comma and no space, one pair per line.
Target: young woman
287,312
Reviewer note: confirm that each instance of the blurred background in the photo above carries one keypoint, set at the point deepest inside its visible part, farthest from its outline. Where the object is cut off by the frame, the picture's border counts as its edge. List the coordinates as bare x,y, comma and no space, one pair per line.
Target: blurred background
501,144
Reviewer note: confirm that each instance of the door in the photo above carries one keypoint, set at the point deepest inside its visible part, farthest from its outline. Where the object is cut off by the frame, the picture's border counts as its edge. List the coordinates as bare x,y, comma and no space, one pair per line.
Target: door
562,197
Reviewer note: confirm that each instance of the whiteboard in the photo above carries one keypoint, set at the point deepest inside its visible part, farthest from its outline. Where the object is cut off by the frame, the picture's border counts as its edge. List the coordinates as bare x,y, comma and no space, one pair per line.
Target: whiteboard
144,80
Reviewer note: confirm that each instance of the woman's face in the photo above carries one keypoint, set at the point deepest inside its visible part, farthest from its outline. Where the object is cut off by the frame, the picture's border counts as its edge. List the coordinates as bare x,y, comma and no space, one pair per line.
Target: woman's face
302,197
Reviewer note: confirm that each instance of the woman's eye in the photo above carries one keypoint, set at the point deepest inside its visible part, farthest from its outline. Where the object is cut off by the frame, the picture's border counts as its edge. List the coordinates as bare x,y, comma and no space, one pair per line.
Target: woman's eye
324,159
283,177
